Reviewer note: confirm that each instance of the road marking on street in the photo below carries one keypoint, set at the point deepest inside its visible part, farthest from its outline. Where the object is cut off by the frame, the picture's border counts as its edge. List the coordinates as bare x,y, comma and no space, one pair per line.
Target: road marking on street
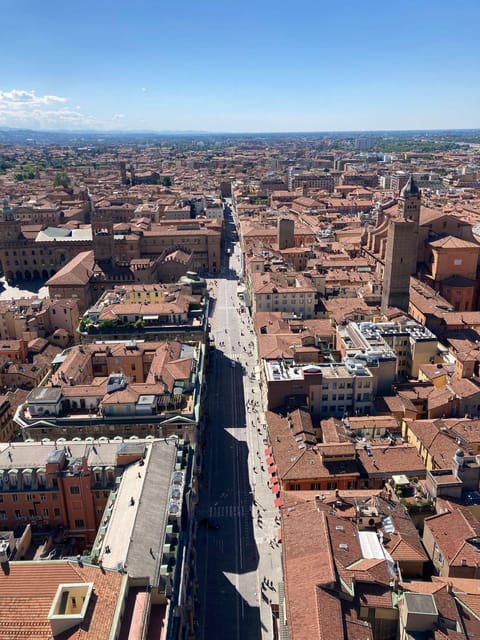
229,511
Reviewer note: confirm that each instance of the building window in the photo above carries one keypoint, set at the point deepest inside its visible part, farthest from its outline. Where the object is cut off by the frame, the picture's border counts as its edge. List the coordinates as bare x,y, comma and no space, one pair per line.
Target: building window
331,485
45,513
315,485
3,515
294,487
18,515
14,498
74,491
43,497
79,524
29,497
56,512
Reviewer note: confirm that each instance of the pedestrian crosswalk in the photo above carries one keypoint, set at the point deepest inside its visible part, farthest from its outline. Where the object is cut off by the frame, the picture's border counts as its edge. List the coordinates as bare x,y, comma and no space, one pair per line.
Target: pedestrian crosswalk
229,511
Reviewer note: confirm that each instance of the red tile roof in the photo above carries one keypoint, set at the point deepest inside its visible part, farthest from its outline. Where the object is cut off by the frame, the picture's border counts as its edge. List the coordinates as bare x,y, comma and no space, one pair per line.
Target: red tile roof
455,548
27,591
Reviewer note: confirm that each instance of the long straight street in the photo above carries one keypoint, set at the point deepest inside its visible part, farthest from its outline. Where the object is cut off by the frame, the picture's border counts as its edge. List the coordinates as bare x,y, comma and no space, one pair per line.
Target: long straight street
236,548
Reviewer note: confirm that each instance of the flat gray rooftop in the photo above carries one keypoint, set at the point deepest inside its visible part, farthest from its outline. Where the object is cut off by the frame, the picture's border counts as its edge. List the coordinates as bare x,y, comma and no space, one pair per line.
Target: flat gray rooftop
422,603
136,530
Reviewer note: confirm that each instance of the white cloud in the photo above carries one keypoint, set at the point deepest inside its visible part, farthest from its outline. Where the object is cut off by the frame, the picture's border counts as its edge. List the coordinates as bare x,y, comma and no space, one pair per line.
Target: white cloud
144,89
22,108
118,116
20,96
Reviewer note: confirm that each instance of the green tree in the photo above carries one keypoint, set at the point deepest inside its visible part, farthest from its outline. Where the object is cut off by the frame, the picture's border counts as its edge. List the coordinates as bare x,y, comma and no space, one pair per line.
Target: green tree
61,180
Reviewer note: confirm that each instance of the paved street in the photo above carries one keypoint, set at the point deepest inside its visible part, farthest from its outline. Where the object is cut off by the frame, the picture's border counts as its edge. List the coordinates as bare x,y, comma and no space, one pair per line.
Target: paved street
234,559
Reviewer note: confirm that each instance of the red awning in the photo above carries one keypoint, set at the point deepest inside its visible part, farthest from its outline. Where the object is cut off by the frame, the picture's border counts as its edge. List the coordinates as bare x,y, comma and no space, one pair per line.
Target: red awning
269,460
275,489
272,470
279,534
268,451
278,502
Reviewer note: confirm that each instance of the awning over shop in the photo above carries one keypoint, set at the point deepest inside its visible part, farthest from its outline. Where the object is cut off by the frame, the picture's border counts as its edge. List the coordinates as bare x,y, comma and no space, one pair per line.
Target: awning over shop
277,502
269,460
272,469
279,534
268,451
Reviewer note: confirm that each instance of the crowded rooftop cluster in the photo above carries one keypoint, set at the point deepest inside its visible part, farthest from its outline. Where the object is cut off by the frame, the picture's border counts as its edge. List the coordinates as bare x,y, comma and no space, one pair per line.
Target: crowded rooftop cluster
359,269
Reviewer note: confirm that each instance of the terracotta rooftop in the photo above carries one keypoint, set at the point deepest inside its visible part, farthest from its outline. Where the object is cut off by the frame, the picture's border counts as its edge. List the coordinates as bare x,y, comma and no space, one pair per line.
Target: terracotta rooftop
449,242
27,591
386,460
76,272
455,548
307,563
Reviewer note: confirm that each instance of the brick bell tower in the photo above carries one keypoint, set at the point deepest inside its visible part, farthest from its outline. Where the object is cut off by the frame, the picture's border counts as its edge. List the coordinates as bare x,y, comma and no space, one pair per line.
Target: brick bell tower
103,239
401,250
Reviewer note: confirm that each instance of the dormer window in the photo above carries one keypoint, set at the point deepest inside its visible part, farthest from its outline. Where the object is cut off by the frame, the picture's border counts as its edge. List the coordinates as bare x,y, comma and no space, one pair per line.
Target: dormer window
41,477
27,477
12,477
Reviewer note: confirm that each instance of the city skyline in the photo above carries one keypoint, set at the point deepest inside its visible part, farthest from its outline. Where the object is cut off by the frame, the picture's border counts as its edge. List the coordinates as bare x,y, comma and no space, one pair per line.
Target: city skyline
240,67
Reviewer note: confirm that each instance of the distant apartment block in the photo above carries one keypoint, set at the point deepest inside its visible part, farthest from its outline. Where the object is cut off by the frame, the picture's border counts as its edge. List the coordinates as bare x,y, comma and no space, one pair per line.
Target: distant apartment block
297,178
324,389
392,350
284,292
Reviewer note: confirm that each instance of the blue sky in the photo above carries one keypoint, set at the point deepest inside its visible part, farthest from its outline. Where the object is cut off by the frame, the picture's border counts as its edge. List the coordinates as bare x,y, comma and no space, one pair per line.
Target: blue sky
218,65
